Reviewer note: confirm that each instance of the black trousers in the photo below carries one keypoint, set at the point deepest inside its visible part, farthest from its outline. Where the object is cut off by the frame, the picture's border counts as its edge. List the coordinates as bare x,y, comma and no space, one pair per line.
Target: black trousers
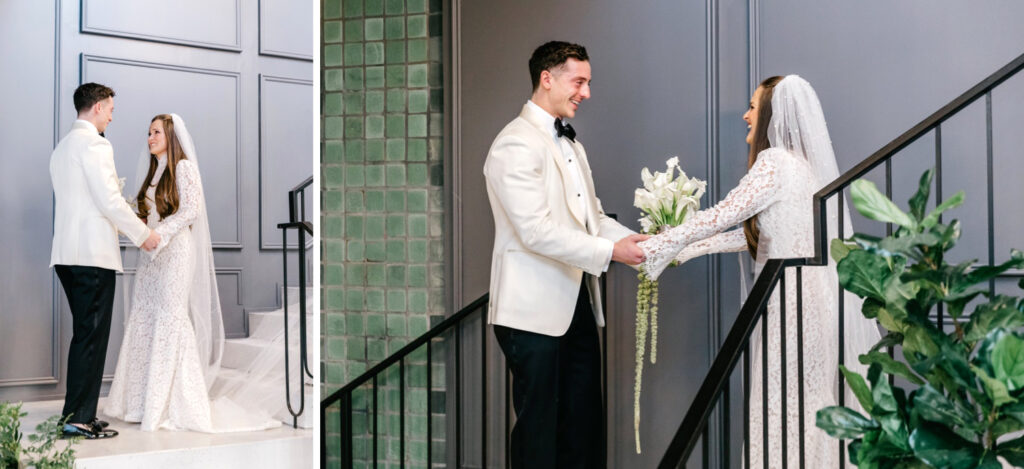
556,392
90,293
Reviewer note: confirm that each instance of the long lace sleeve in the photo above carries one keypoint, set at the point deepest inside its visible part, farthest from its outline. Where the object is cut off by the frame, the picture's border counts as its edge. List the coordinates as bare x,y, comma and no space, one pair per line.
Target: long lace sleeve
756,191
730,241
190,194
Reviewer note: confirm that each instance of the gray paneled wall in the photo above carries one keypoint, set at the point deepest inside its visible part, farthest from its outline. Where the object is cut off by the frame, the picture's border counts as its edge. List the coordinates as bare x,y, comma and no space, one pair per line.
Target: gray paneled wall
674,78
239,73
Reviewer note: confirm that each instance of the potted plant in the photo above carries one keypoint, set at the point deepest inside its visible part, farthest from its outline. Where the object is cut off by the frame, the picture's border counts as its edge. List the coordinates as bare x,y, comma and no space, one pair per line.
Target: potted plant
965,392
42,451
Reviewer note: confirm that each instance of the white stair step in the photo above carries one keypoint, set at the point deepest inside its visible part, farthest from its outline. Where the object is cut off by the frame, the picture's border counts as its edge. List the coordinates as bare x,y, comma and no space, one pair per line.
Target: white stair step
293,294
256,319
239,353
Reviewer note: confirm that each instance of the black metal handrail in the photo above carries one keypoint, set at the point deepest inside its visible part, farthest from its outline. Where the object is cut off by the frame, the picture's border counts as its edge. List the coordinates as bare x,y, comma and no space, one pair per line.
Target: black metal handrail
344,395
694,426
298,222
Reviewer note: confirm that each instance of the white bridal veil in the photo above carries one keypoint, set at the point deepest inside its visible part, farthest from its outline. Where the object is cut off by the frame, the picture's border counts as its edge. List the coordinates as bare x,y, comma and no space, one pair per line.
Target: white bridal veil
798,125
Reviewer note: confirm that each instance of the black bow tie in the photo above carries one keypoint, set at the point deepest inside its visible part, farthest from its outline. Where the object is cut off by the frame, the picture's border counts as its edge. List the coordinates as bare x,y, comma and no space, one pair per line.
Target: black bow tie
565,130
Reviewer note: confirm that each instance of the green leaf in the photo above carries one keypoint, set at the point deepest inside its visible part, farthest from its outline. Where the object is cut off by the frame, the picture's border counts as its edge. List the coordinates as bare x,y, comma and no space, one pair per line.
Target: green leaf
859,387
1005,425
890,340
876,451
886,319
917,340
908,245
890,366
864,274
840,249
1012,451
938,446
949,203
887,411
950,235
961,295
871,307
918,201
843,423
983,274
873,204
1007,360
936,407
998,312
995,389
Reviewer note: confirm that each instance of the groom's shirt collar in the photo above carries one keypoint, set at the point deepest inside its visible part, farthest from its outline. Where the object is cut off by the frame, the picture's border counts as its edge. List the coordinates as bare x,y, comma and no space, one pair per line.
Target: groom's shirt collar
92,126
546,119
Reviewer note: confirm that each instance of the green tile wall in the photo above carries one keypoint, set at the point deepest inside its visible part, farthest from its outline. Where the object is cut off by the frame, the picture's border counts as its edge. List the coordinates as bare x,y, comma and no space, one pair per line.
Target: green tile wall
382,211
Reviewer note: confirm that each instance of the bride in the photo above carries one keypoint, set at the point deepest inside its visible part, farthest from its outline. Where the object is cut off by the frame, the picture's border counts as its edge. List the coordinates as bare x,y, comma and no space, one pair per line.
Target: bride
790,159
174,334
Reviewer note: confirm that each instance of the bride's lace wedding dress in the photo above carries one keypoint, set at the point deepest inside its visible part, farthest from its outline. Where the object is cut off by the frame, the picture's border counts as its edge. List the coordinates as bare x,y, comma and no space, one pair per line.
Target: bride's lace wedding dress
778,189
160,379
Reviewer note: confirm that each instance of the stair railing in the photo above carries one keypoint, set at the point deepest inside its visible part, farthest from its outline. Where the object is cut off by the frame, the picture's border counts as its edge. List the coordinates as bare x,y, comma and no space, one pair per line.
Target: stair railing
455,325
298,222
714,390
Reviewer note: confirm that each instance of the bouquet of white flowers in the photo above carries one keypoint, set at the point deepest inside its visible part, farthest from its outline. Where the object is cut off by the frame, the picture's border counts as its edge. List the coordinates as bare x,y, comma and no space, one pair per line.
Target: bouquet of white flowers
667,200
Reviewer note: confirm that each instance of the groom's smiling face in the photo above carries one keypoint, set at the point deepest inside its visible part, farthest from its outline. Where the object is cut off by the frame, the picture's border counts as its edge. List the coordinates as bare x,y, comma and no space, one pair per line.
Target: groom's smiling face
568,85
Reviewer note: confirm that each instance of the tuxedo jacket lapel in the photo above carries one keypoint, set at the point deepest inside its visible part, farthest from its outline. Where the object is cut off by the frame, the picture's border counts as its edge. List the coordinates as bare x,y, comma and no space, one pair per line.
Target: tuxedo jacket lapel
556,153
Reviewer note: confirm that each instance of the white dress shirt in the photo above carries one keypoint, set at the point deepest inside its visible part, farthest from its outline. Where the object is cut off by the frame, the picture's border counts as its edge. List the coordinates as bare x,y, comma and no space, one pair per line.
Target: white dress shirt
571,162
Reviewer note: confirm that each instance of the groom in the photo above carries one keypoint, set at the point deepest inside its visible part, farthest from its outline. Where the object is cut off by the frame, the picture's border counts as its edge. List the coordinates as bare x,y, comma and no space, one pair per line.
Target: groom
89,212
552,240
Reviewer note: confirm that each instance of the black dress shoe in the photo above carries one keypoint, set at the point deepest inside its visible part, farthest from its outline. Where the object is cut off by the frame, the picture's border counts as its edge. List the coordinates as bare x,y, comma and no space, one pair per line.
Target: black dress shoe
101,423
87,431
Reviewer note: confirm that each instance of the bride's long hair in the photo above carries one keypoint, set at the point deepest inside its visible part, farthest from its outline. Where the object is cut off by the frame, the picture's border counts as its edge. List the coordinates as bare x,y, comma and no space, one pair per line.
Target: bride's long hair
166,189
760,143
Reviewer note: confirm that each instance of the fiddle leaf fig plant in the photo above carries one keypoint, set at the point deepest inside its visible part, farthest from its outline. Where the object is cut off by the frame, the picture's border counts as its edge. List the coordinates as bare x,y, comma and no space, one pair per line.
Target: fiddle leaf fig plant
964,405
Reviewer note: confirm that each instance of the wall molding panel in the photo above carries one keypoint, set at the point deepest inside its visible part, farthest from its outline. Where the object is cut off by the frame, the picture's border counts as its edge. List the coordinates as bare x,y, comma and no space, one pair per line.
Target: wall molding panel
121,18
216,203
274,18
278,137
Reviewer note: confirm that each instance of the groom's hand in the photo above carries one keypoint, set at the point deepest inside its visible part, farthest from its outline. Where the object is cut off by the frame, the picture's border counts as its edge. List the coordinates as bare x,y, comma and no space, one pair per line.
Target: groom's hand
627,252
152,241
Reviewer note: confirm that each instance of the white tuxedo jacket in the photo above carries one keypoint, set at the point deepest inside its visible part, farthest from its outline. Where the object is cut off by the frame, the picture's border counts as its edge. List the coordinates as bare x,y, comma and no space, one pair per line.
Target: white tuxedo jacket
542,245
90,209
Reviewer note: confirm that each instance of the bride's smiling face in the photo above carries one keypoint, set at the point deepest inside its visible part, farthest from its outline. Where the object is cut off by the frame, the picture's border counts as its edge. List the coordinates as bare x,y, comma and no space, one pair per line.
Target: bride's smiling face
751,115
157,138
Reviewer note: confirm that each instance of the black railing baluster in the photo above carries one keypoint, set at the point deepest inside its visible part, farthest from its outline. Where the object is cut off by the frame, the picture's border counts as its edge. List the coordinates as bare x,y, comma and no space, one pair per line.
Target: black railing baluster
483,390
764,387
458,396
783,359
704,463
374,417
725,427
938,200
746,405
991,190
841,308
401,413
430,405
349,430
800,358
508,417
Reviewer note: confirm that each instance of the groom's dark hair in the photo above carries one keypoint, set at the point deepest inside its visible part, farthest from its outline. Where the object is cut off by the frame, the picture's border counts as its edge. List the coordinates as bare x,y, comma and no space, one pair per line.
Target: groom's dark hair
89,94
553,54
